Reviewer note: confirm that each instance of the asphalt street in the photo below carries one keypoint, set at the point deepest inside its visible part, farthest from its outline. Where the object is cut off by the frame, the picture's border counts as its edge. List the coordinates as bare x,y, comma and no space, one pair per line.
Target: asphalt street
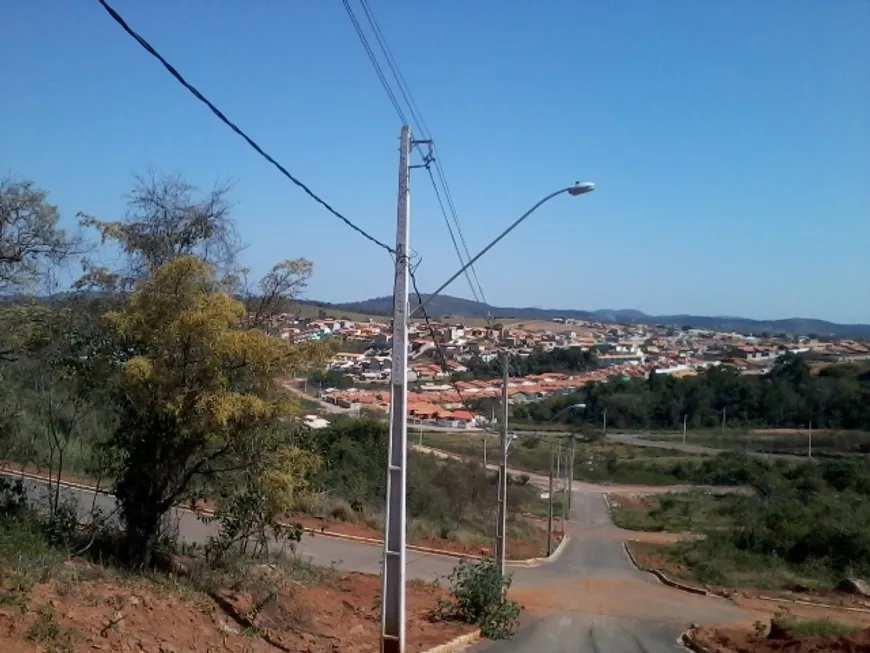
592,598
589,598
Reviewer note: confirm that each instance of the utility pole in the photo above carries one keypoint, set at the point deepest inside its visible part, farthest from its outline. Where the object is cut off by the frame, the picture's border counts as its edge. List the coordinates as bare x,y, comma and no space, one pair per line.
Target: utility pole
484,451
571,473
723,420
605,421
550,508
810,440
565,494
393,594
685,417
500,535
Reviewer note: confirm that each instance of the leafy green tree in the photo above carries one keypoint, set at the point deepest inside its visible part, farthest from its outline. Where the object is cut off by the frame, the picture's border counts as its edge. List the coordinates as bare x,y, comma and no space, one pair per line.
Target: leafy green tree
197,389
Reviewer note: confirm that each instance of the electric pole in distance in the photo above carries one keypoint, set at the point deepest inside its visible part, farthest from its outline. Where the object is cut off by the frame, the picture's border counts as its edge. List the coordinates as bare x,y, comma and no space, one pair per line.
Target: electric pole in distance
550,505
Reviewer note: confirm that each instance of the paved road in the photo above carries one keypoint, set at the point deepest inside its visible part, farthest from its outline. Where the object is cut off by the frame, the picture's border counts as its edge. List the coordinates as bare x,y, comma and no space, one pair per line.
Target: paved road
589,599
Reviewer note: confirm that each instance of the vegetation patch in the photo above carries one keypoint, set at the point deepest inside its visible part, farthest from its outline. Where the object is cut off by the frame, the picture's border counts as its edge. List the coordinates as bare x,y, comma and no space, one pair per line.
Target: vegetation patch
447,499
479,596
684,512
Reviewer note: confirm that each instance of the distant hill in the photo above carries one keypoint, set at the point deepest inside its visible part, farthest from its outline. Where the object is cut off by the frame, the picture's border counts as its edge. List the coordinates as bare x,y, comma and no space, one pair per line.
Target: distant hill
456,307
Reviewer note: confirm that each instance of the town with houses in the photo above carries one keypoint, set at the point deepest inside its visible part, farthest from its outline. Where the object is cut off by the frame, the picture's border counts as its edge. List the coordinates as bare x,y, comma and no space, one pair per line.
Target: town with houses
621,350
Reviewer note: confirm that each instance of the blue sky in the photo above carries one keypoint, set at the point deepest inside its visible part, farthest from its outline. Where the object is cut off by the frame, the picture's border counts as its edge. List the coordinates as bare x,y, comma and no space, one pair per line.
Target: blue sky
729,141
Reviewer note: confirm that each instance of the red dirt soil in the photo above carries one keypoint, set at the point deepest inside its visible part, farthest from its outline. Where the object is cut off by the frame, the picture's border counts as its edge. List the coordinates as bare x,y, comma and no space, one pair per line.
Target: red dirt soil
723,640
133,616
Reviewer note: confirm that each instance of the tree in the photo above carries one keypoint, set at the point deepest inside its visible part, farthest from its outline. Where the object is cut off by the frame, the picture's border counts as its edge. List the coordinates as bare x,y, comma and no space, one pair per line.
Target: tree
198,387
276,290
166,218
30,236
31,245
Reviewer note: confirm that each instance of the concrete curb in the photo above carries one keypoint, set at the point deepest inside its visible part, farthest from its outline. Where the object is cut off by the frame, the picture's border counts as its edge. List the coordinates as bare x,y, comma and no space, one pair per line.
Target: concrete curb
529,562
813,604
663,578
456,644
537,562
687,639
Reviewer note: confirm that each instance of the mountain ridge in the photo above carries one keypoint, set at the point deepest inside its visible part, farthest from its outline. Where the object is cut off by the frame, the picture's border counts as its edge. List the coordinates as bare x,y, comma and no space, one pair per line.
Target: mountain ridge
444,306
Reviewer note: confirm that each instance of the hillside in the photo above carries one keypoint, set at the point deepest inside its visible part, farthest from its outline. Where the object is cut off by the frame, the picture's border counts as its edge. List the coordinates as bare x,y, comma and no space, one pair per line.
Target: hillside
446,306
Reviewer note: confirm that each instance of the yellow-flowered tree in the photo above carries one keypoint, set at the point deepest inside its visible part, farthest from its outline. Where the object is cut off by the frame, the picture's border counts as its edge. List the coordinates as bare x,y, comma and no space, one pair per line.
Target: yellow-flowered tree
198,397
199,406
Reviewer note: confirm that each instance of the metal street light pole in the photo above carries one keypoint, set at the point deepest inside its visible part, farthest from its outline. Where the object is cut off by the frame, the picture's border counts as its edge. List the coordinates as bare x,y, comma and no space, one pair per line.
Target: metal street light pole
574,191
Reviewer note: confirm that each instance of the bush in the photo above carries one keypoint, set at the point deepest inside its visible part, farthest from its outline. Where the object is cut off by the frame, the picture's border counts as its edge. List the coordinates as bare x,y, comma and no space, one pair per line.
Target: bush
480,597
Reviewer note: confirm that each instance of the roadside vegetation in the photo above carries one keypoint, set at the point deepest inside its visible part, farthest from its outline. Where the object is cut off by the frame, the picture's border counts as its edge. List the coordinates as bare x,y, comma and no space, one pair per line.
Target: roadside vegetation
793,442
447,499
682,512
608,462
804,526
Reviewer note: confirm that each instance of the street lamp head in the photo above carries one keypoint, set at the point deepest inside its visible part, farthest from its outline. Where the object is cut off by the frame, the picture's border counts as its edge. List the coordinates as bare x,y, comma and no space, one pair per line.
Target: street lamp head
580,188
578,406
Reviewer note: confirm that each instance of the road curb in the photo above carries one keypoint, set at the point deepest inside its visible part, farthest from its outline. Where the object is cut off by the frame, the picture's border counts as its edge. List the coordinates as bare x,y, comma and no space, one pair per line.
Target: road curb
537,562
529,562
456,644
687,639
813,604
664,579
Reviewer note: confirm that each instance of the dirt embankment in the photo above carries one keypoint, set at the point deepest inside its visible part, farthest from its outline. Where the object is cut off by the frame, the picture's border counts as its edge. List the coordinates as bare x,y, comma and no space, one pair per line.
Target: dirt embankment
735,640
83,610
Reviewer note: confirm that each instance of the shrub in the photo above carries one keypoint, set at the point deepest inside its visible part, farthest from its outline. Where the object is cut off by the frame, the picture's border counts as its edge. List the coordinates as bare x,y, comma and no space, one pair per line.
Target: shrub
479,594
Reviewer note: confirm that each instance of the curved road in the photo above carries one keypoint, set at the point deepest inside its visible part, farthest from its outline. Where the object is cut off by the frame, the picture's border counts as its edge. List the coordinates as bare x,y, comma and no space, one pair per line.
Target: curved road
589,598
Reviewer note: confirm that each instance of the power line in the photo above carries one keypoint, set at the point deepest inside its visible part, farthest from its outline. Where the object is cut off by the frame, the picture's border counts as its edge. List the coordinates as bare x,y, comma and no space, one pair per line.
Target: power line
421,126
374,61
220,115
448,194
450,231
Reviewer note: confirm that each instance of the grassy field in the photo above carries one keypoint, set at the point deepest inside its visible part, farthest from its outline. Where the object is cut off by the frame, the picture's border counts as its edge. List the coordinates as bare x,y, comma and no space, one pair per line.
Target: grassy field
673,513
598,462
825,444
